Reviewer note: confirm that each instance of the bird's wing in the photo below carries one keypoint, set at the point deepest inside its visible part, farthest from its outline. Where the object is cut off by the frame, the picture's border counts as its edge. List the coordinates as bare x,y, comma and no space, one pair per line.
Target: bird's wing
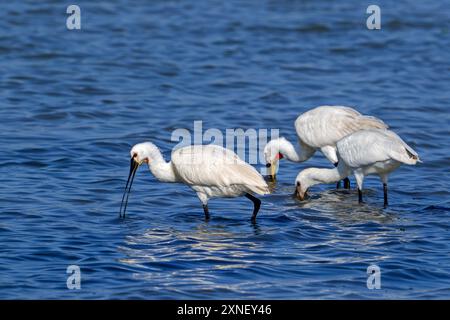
400,151
367,147
210,165
326,125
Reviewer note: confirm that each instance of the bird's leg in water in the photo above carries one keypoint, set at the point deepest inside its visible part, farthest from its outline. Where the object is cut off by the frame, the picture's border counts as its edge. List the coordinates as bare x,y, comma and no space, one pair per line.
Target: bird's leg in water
205,209
346,180
346,183
360,199
256,203
385,191
338,184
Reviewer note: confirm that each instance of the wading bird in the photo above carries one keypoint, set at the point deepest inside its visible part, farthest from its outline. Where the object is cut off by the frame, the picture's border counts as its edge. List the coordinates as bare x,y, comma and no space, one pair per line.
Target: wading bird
210,170
374,151
319,129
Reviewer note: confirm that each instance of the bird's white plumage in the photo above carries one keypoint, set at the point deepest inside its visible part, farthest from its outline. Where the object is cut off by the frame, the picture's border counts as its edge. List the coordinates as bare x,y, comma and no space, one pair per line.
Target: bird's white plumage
203,166
320,129
326,125
364,148
365,152
210,170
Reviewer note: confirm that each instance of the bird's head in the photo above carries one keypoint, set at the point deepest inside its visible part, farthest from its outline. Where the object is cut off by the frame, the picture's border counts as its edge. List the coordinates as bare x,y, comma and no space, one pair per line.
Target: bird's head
272,155
303,182
141,153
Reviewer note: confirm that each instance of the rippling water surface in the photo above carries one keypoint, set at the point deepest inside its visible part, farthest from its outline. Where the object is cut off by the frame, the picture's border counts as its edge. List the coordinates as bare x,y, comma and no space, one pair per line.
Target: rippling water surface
73,102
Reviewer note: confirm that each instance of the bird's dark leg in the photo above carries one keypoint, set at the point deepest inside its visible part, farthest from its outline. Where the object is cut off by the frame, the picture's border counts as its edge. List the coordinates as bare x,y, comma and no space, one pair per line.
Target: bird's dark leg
385,191
346,180
360,199
205,209
338,184
256,203
347,183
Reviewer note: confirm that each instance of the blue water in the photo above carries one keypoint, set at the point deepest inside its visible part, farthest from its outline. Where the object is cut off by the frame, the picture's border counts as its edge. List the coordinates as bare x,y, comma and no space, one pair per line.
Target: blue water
72,103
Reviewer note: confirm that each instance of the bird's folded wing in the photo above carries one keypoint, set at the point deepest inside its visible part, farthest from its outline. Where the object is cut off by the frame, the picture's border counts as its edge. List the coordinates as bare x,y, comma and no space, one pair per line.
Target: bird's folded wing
215,166
328,124
400,151
367,147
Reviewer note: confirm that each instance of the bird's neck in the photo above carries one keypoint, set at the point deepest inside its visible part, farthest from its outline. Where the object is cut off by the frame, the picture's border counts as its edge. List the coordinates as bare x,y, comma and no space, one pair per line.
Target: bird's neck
328,175
162,170
292,153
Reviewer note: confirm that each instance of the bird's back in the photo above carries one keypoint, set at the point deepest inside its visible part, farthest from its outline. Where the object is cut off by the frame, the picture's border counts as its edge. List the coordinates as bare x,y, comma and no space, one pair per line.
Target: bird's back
326,125
211,165
366,147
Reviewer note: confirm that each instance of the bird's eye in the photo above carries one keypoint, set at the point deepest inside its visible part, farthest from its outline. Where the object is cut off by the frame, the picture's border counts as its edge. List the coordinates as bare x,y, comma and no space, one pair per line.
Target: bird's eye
268,165
298,183
135,155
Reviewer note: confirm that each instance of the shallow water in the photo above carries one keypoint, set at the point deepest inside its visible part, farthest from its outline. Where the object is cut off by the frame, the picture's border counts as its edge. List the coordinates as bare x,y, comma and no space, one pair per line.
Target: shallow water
73,102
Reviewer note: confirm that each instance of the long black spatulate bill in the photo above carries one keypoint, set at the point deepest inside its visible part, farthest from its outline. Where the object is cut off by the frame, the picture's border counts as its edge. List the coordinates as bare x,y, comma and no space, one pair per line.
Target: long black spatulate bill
126,193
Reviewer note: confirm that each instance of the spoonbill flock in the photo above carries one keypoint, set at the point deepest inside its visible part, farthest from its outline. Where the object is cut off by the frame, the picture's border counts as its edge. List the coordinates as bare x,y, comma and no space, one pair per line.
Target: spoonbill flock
355,144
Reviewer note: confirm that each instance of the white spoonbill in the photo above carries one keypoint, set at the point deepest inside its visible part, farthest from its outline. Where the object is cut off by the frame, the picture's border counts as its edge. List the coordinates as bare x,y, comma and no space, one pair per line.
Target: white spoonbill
210,170
319,129
365,152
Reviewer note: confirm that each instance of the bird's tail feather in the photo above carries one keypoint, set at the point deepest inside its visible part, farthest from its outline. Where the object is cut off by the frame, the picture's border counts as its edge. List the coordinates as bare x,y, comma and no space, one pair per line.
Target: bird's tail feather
251,178
260,189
